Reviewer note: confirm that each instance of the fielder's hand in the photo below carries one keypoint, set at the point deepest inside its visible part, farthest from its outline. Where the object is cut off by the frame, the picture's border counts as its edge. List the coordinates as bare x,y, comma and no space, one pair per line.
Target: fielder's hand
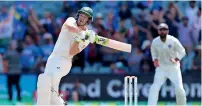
176,60
156,63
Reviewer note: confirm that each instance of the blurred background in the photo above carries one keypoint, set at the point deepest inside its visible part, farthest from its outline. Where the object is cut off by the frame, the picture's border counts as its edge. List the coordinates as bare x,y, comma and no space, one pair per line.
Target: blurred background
29,30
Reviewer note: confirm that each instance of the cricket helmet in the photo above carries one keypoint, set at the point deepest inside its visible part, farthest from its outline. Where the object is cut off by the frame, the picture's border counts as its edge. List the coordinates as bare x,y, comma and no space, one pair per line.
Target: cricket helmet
86,10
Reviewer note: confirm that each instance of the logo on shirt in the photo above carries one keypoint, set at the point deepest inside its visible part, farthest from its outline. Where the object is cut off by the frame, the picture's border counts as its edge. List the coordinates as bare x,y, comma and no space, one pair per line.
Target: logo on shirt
169,46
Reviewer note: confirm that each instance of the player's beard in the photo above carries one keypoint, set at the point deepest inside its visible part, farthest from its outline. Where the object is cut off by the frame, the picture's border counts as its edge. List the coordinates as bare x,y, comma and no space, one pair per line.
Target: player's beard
163,36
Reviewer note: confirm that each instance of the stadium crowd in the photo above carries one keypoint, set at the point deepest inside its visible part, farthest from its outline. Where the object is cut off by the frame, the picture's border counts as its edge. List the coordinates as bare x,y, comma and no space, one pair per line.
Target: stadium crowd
32,37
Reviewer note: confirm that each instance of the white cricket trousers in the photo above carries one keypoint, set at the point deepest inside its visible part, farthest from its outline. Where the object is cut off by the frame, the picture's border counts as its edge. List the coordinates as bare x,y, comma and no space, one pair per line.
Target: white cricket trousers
173,73
56,68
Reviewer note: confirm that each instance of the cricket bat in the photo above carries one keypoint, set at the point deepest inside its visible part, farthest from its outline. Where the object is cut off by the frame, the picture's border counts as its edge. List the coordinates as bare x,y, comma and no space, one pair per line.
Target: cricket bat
113,44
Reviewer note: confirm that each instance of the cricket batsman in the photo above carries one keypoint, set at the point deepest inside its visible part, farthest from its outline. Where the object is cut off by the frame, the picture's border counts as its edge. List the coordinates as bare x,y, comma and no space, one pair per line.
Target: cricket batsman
167,52
73,38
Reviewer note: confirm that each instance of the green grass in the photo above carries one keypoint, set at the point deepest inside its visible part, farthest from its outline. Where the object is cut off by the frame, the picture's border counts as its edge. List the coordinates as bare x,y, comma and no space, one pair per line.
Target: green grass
29,102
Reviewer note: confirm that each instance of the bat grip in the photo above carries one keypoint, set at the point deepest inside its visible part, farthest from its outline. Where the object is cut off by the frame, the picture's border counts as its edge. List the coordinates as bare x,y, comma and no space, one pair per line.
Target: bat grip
101,40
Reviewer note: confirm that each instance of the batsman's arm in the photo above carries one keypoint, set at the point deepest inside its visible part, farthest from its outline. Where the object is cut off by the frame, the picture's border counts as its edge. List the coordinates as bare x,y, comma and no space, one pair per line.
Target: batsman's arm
70,25
179,49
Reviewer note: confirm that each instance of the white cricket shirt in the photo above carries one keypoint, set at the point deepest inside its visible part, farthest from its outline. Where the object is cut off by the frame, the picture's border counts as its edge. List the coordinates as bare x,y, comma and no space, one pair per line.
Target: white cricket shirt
163,51
64,41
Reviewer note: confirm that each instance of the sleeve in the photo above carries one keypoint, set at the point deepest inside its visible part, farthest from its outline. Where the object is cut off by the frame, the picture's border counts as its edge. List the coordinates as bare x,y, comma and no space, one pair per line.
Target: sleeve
70,24
154,52
70,21
179,49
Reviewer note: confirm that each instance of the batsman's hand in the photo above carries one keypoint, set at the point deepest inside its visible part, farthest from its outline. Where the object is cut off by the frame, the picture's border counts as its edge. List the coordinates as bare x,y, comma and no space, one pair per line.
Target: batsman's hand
156,63
80,37
91,36
82,45
83,36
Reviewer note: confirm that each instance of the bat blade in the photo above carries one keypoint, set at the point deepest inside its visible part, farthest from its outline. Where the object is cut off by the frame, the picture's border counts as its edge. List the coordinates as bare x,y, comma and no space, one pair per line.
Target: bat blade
114,44
119,45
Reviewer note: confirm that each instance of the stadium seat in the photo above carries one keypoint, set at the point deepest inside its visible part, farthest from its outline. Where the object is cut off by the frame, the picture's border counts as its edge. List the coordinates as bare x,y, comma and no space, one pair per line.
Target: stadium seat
104,70
87,70
135,11
75,70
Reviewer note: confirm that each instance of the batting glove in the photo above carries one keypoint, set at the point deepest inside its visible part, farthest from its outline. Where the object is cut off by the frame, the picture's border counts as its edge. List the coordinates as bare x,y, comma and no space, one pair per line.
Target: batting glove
90,35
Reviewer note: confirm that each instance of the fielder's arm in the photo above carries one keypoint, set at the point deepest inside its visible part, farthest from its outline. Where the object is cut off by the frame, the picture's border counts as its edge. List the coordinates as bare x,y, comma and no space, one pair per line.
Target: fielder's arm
154,52
112,44
179,49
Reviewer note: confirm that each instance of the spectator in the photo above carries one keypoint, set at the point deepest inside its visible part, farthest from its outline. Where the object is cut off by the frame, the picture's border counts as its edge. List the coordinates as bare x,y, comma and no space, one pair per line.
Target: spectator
143,5
191,11
79,60
134,60
3,12
196,26
1,64
50,24
6,26
147,62
30,55
174,11
109,56
146,48
121,35
20,22
199,39
196,65
39,67
138,32
186,63
157,5
111,23
117,68
185,33
99,25
47,47
145,66
75,96
78,93
141,21
170,19
33,21
92,55
125,12
66,9
12,58
154,22
110,5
